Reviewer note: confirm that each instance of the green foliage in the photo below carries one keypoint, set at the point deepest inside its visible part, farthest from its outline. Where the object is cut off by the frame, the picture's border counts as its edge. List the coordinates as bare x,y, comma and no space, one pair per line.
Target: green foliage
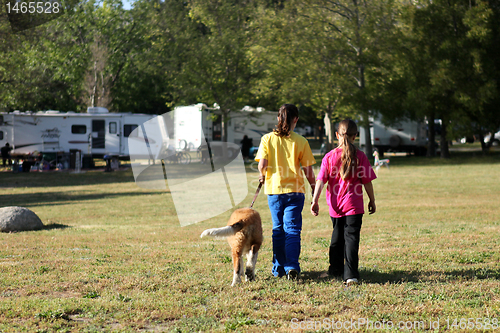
448,65
91,294
51,315
240,321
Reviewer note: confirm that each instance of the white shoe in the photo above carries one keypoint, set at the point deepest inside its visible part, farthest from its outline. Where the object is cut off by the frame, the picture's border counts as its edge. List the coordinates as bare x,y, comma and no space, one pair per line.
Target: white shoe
351,282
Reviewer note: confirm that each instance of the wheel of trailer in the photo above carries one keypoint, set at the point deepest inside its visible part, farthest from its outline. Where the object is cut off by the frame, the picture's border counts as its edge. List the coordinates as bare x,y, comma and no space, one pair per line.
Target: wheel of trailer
183,145
394,141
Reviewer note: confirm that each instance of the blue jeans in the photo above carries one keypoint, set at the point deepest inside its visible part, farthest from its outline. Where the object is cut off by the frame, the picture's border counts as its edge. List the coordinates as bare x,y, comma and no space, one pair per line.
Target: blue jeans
286,212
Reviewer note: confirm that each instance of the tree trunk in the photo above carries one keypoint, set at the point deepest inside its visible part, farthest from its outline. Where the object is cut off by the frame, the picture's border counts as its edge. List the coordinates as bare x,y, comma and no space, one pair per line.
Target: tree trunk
368,136
431,136
368,143
445,151
94,97
365,112
224,132
224,125
329,143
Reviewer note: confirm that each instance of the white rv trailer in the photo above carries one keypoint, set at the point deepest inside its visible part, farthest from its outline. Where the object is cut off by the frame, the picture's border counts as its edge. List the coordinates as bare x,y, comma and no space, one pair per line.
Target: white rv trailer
95,133
253,123
404,136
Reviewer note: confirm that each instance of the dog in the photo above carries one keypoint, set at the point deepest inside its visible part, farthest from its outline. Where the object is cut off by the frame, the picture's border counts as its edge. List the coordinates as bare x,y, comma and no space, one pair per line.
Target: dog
244,232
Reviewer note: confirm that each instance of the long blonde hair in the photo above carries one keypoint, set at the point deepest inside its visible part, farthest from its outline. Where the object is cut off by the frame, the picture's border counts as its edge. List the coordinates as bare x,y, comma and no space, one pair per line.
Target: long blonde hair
347,128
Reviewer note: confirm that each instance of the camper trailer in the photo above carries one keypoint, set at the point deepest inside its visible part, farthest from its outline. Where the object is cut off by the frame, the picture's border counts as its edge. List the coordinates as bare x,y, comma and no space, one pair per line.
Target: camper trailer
405,136
96,133
252,122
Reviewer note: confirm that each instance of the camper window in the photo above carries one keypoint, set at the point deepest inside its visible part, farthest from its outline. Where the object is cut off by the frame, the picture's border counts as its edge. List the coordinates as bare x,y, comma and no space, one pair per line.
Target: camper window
127,130
79,129
112,128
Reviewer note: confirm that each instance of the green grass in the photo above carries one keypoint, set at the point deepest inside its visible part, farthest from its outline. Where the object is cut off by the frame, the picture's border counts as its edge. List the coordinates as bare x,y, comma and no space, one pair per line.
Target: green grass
113,257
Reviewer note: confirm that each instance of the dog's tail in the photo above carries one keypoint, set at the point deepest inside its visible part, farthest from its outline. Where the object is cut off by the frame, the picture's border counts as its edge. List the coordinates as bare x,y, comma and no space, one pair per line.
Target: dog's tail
223,232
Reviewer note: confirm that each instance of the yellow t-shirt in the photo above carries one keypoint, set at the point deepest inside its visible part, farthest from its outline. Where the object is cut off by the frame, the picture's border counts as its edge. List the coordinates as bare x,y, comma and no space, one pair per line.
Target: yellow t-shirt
285,156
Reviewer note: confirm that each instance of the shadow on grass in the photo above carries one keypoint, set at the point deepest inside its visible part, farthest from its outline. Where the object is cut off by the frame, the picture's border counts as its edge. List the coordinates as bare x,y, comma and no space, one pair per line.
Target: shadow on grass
371,276
53,226
314,276
62,198
56,178
457,158
398,276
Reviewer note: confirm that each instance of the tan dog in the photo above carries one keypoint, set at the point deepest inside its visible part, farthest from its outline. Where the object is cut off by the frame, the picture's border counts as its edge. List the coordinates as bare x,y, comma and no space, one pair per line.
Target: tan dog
244,232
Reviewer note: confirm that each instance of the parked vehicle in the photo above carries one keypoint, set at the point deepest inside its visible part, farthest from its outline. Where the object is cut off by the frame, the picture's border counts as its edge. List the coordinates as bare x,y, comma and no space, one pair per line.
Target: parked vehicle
495,137
192,124
405,136
96,133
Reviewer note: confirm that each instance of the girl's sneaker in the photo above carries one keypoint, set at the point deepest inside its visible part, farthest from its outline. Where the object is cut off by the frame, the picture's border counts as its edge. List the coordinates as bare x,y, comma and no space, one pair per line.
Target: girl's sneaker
351,282
292,274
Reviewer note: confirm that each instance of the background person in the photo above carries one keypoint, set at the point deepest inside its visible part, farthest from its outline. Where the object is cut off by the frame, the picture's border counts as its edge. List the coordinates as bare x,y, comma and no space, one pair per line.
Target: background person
5,150
246,144
346,170
282,155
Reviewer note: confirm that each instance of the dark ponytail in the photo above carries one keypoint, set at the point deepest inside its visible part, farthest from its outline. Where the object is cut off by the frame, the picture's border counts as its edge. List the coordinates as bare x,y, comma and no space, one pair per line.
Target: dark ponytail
286,115
347,128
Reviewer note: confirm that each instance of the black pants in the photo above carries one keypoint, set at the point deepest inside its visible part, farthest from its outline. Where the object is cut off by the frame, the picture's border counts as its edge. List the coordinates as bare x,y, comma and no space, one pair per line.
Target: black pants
345,246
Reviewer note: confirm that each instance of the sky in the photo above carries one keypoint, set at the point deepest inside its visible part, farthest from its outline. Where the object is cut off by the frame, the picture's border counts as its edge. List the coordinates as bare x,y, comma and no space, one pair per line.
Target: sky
127,4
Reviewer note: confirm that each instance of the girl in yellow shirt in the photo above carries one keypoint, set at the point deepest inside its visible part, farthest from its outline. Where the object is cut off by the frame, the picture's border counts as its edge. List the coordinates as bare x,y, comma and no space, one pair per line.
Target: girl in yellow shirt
283,155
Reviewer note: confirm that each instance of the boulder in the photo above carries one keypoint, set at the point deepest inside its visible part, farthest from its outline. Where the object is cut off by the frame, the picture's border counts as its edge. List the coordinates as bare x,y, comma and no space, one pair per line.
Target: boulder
18,219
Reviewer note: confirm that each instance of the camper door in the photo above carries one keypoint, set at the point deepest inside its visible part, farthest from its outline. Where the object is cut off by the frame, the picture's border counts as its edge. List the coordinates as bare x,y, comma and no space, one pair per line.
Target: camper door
113,136
104,136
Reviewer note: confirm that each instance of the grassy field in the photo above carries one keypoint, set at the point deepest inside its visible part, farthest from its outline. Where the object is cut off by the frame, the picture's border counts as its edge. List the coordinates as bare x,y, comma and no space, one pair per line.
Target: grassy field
113,258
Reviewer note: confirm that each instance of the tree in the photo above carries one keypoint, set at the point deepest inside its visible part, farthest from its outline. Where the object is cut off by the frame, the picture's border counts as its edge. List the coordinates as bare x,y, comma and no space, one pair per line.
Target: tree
446,79
113,38
331,53
484,101
301,62
32,74
151,81
94,55
215,67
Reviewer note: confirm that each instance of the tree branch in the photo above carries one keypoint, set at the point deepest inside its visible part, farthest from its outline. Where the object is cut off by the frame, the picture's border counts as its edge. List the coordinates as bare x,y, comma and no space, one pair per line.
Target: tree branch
338,4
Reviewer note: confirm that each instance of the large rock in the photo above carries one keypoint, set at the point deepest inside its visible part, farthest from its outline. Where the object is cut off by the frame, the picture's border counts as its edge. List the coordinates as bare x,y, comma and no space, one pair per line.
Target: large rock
18,219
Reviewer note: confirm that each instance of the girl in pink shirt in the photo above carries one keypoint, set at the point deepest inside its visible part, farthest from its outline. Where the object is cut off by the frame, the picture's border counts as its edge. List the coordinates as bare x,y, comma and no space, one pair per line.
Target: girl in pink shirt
346,170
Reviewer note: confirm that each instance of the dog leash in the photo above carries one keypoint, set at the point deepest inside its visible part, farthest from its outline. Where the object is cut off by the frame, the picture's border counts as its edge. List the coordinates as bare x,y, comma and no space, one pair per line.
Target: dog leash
256,194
